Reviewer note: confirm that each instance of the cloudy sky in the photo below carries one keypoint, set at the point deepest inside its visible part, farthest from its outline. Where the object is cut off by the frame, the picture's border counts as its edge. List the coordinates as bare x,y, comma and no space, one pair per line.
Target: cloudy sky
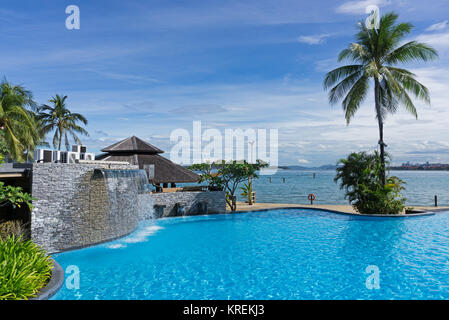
145,68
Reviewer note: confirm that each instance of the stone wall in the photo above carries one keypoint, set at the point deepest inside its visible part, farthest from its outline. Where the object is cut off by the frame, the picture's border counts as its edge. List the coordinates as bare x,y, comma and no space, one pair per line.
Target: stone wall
80,204
73,208
215,200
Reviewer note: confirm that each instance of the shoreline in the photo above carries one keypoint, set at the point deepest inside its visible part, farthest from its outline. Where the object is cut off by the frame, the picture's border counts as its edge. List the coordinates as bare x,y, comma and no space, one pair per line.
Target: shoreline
347,209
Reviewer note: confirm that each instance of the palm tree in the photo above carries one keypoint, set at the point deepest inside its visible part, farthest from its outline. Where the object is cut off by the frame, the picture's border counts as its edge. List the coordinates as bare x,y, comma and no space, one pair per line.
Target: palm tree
38,136
16,121
375,56
62,120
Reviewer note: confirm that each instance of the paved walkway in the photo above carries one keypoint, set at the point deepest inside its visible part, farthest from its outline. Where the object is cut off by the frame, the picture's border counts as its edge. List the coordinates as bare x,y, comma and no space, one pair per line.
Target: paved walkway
241,207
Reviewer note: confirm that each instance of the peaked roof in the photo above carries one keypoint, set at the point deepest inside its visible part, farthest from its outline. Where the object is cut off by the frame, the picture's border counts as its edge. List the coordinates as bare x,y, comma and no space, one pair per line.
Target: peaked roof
134,145
165,171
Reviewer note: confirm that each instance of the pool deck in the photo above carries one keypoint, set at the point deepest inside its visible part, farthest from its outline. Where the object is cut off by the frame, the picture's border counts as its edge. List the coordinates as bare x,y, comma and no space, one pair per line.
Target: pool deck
243,207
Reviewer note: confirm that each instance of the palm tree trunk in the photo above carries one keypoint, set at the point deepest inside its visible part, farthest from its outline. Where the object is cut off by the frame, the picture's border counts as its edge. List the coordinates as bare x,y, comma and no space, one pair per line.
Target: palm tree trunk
381,131
60,139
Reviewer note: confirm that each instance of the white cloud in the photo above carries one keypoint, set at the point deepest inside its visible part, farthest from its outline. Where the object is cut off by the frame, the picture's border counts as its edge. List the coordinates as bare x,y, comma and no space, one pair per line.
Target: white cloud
438,40
122,76
326,65
358,7
313,40
438,26
303,161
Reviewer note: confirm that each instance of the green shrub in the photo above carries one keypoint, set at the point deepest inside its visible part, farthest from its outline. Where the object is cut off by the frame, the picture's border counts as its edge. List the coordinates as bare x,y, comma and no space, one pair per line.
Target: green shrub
360,176
25,268
14,196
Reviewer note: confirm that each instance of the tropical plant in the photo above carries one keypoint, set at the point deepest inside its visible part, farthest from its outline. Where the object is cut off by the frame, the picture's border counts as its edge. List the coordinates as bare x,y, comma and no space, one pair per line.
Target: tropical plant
16,121
38,137
10,195
247,191
228,175
64,122
3,146
360,177
25,268
375,55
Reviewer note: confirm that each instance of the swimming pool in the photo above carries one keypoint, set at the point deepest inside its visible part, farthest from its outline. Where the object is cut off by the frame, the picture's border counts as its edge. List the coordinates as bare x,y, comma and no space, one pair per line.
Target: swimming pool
278,254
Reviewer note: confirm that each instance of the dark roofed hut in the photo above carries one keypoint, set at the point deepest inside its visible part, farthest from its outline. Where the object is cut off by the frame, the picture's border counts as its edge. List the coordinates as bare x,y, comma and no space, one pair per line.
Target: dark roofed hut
138,152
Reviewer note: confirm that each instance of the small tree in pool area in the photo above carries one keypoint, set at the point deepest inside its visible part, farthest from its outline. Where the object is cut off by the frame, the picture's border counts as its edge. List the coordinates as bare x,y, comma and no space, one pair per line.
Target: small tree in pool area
228,176
360,175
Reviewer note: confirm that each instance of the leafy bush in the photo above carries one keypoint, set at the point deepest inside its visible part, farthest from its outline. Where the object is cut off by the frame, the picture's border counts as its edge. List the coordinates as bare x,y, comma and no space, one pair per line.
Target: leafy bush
360,177
10,195
14,196
247,191
25,268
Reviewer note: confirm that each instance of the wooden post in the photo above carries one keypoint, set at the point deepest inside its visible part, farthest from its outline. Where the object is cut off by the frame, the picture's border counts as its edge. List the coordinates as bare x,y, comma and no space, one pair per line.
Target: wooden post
436,201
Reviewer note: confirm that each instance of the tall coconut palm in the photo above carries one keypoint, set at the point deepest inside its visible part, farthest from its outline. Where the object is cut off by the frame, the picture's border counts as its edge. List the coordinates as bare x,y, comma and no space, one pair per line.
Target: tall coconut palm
375,56
62,121
15,119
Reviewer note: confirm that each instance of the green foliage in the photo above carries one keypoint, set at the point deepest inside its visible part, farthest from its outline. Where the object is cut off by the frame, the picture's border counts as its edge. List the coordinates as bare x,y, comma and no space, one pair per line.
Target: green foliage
360,177
3,146
60,119
25,268
16,121
10,195
373,59
208,173
247,191
374,55
228,175
14,196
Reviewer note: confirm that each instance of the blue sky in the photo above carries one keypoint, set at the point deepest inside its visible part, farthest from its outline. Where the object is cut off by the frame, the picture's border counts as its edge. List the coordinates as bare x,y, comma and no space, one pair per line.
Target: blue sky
146,68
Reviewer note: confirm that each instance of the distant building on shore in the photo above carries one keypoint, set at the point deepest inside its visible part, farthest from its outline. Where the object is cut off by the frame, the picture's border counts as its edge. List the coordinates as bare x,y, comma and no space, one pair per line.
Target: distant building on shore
422,166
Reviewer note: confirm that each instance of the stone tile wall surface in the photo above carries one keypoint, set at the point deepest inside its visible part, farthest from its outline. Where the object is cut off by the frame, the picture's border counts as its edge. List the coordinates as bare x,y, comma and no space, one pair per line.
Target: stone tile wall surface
75,208
167,202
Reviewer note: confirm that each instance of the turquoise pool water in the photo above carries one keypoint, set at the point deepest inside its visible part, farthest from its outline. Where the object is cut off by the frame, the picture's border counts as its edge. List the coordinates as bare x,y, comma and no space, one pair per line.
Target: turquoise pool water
279,254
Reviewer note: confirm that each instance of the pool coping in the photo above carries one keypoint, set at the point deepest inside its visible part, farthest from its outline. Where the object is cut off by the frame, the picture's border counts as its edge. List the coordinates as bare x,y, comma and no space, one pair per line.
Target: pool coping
412,215
55,283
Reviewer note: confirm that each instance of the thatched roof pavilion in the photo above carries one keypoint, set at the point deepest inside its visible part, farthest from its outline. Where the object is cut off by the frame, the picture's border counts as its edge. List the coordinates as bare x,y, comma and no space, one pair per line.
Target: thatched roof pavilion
138,152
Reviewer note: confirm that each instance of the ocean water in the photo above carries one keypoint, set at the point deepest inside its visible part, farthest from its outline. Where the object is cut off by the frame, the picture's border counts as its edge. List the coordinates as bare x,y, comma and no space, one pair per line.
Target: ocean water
278,254
421,187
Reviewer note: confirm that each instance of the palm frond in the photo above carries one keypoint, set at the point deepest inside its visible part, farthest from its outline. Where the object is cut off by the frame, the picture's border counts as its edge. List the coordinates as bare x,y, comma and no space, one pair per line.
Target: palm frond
355,97
411,52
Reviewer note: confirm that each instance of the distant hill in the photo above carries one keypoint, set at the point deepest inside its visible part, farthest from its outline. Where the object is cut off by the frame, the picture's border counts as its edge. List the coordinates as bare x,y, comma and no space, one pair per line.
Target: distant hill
325,167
